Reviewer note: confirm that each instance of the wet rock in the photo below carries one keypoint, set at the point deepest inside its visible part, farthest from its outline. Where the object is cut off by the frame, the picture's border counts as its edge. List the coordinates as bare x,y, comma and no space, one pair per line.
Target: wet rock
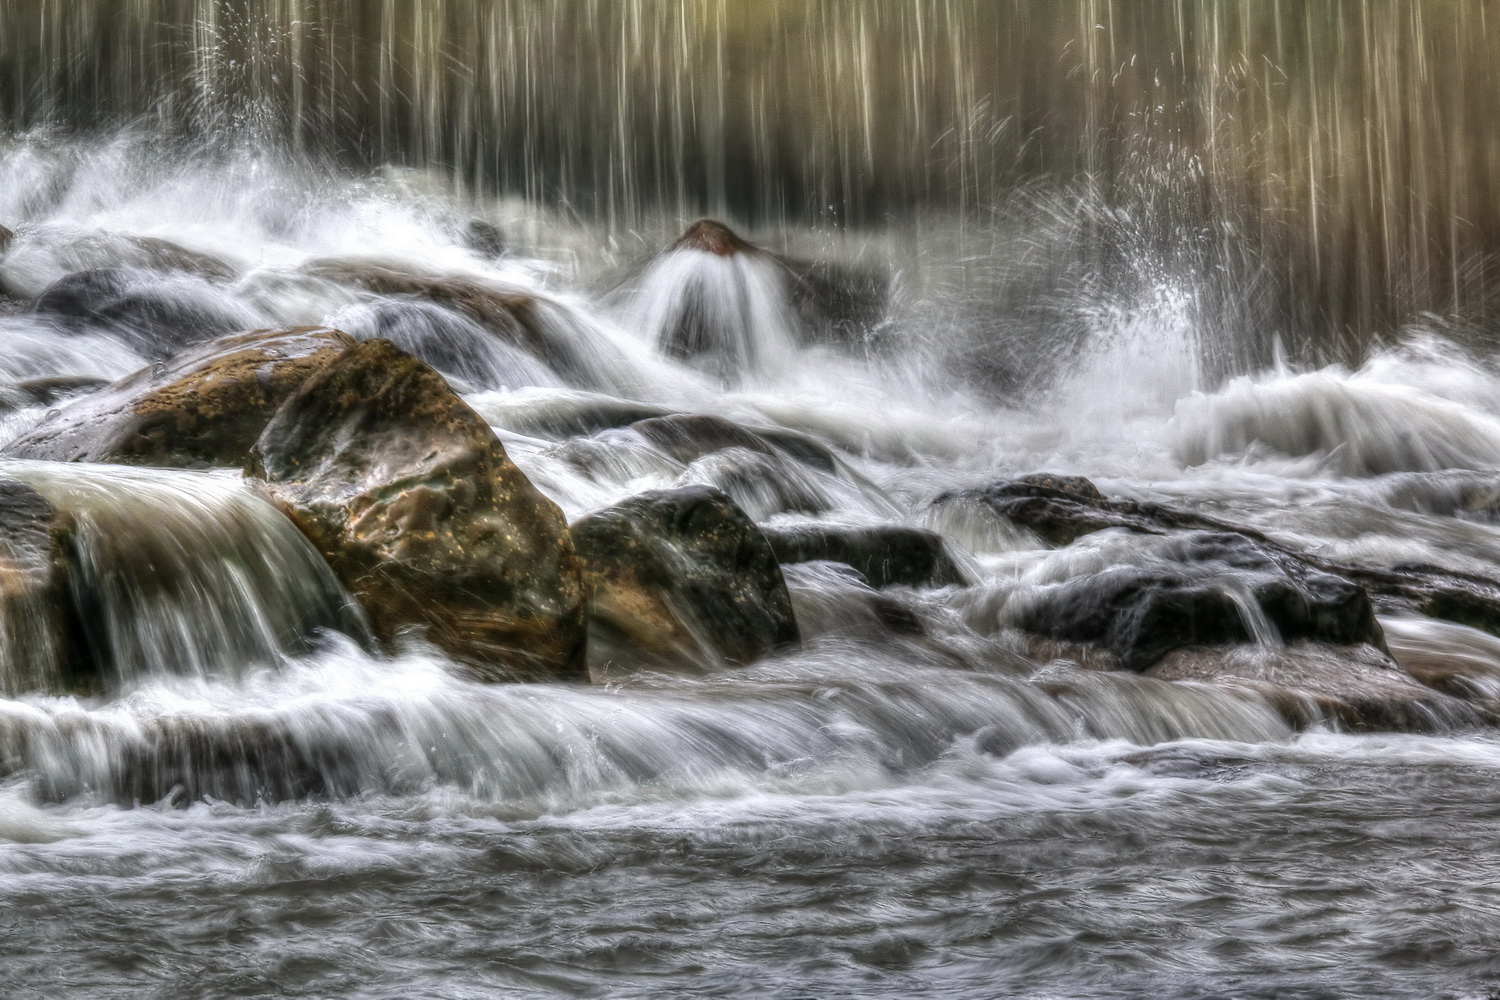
688,437
1059,509
680,580
1061,512
838,303
567,414
164,255
761,484
485,239
833,302
509,314
56,388
153,316
204,407
1359,687
414,503
39,634
710,236
885,555
6,236
452,343
1203,588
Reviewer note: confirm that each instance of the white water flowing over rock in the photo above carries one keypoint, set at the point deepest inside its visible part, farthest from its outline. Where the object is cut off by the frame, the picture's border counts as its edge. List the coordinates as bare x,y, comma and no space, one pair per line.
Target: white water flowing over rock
919,789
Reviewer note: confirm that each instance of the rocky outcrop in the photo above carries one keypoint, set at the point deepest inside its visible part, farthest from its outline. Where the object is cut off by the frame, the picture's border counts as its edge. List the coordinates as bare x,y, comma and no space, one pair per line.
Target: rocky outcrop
414,503
680,580
1062,509
884,555
1202,588
204,407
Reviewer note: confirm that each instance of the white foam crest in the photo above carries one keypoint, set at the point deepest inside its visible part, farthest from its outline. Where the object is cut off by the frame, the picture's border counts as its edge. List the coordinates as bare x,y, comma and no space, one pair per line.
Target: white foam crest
727,313
1404,411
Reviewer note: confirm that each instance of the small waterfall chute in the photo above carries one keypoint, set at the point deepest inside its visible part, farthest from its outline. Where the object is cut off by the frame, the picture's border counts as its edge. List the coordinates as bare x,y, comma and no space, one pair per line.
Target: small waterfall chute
167,573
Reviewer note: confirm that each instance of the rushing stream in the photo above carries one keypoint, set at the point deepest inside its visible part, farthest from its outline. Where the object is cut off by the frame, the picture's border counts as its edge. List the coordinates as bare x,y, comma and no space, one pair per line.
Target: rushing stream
921,799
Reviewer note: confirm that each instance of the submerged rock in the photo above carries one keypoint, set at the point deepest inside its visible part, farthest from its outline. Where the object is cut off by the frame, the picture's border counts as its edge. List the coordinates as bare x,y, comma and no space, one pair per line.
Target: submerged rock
412,499
509,314
484,239
152,314
1201,589
687,437
204,407
680,580
884,555
39,634
451,342
566,413
1359,687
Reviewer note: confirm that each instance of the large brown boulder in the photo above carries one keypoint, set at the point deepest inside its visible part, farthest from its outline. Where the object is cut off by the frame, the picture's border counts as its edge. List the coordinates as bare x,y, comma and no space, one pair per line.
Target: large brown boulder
680,580
204,407
414,502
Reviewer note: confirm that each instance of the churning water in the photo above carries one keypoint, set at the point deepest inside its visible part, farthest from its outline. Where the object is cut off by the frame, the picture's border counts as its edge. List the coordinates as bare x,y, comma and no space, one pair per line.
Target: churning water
253,803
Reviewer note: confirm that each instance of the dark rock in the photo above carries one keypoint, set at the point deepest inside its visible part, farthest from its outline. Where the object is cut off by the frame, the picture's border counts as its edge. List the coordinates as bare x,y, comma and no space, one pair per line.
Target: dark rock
680,580
55,388
484,238
834,302
6,236
153,317
205,407
1062,514
39,636
885,555
1359,687
838,303
413,501
1197,592
688,437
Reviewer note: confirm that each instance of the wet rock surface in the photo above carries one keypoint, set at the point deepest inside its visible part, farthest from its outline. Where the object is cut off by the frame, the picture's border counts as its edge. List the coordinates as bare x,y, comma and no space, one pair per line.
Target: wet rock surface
509,314
451,342
1062,509
680,580
415,504
204,407
1202,588
1358,687
884,555
688,437
40,635
153,317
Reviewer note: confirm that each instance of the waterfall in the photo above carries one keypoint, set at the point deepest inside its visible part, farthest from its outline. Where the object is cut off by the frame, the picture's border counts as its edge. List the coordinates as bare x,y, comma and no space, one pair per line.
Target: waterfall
171,574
